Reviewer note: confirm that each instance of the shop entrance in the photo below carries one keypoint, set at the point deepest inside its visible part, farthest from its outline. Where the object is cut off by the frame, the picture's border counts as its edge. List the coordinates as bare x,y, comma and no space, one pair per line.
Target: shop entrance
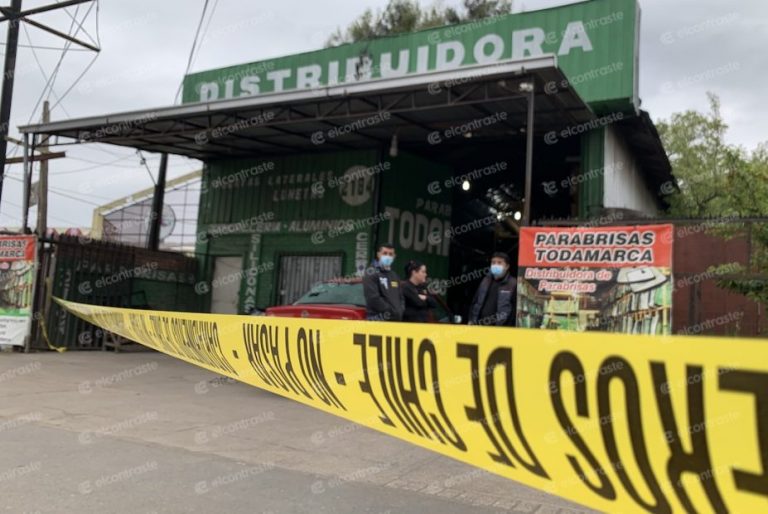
488,201
225,288
298,273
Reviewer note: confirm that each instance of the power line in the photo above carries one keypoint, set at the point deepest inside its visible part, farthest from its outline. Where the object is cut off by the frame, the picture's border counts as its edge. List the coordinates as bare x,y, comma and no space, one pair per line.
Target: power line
110,163
40,66
98,36
56,69
44,47
79,77
58,192
100,165
54,73
97,197
100,148
51,79
42,93
17,206
14,15
143,161
88,168
192,51
66,11
96,56
205,32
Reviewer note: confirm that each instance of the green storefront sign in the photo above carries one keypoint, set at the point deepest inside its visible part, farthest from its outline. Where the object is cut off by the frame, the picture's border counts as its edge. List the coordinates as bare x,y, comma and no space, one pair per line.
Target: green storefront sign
595,43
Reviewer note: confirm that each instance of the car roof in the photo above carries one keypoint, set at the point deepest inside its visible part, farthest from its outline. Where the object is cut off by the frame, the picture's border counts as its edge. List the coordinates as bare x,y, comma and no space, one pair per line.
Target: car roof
343,280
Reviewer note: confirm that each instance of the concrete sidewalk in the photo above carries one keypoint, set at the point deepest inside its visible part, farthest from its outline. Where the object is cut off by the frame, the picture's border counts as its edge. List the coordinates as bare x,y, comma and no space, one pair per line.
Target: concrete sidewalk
142,432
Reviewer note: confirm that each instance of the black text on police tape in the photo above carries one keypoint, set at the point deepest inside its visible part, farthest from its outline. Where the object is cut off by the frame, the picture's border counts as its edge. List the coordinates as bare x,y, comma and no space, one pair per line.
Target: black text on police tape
269,353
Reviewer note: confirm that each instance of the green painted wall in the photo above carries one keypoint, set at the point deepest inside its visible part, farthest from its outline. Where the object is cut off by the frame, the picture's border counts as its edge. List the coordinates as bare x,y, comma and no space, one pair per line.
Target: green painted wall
595,43
300,204
323,203
419,213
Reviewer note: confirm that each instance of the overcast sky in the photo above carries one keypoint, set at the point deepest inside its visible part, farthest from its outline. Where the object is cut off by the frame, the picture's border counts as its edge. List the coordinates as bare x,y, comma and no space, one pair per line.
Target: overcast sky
688,47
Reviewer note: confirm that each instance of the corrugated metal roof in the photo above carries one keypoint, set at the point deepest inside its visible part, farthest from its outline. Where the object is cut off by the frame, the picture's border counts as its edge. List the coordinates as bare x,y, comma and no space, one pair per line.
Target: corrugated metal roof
349,116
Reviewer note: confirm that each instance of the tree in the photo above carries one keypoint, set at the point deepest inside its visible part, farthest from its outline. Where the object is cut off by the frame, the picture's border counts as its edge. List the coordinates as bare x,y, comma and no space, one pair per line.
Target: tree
701,160
747,187
719,180
400,16
478,9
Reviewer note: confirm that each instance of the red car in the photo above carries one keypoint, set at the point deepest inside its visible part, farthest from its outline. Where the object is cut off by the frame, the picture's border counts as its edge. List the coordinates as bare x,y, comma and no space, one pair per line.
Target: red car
343,298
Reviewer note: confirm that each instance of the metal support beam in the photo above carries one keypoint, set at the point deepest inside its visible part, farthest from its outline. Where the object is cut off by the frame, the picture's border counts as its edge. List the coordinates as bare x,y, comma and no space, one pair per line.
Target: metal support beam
156,216
62,35
14,15
529,130
9,70
46,8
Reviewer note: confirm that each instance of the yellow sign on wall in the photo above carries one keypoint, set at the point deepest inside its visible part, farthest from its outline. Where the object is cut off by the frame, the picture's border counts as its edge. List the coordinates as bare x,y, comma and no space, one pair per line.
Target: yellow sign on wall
616,422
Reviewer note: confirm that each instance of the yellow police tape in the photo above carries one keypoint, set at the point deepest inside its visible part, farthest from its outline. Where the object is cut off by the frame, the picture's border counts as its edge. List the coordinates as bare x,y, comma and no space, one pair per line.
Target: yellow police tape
618,423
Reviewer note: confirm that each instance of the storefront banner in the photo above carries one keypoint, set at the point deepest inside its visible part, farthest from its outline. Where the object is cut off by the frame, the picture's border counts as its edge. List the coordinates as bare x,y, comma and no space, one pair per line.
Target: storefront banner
17,279
616,279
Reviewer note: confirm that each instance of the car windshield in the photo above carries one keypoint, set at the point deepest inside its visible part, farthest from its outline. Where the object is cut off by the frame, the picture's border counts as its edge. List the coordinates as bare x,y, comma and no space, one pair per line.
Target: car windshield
334,293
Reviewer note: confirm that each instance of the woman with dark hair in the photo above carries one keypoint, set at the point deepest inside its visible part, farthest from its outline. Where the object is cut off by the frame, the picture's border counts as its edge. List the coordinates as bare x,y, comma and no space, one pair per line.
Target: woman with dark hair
418,302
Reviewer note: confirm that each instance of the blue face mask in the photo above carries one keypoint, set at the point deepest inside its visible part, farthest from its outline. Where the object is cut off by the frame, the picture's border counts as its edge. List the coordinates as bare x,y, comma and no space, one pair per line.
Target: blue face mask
386,260
497,270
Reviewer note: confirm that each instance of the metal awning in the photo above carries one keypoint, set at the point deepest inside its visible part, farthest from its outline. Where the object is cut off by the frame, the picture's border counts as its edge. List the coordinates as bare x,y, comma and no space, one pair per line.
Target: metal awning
346,116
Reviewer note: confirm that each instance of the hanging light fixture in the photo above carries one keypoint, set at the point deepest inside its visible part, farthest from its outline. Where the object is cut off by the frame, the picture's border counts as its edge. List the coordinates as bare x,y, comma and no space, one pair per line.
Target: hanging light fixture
393,150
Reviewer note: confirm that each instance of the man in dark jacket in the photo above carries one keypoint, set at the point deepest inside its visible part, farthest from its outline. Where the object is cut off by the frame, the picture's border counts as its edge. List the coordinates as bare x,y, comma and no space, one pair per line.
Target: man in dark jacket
382,288
496,297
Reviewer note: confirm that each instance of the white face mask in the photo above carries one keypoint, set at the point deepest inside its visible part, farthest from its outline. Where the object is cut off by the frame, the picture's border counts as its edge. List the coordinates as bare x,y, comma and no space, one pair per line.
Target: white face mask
497,270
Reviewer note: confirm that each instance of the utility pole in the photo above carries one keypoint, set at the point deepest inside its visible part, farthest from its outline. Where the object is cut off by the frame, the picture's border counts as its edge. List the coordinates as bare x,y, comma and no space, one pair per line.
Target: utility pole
9,70
14,15
156,216
42,186
27,179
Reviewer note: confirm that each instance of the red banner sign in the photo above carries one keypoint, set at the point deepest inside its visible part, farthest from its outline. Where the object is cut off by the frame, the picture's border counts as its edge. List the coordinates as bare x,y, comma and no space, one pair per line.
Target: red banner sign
616,279
597,247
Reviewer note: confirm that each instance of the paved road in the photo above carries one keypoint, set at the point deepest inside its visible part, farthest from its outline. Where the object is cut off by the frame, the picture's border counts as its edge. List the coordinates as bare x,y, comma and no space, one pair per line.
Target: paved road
144,433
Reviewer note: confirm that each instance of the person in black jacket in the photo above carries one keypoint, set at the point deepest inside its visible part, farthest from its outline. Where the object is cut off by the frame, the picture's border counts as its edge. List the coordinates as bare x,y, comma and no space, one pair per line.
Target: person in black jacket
418,301
382,288
496,297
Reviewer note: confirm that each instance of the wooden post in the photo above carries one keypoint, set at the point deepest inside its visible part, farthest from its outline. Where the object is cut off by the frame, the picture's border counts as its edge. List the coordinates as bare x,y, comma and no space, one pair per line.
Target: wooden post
42,186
